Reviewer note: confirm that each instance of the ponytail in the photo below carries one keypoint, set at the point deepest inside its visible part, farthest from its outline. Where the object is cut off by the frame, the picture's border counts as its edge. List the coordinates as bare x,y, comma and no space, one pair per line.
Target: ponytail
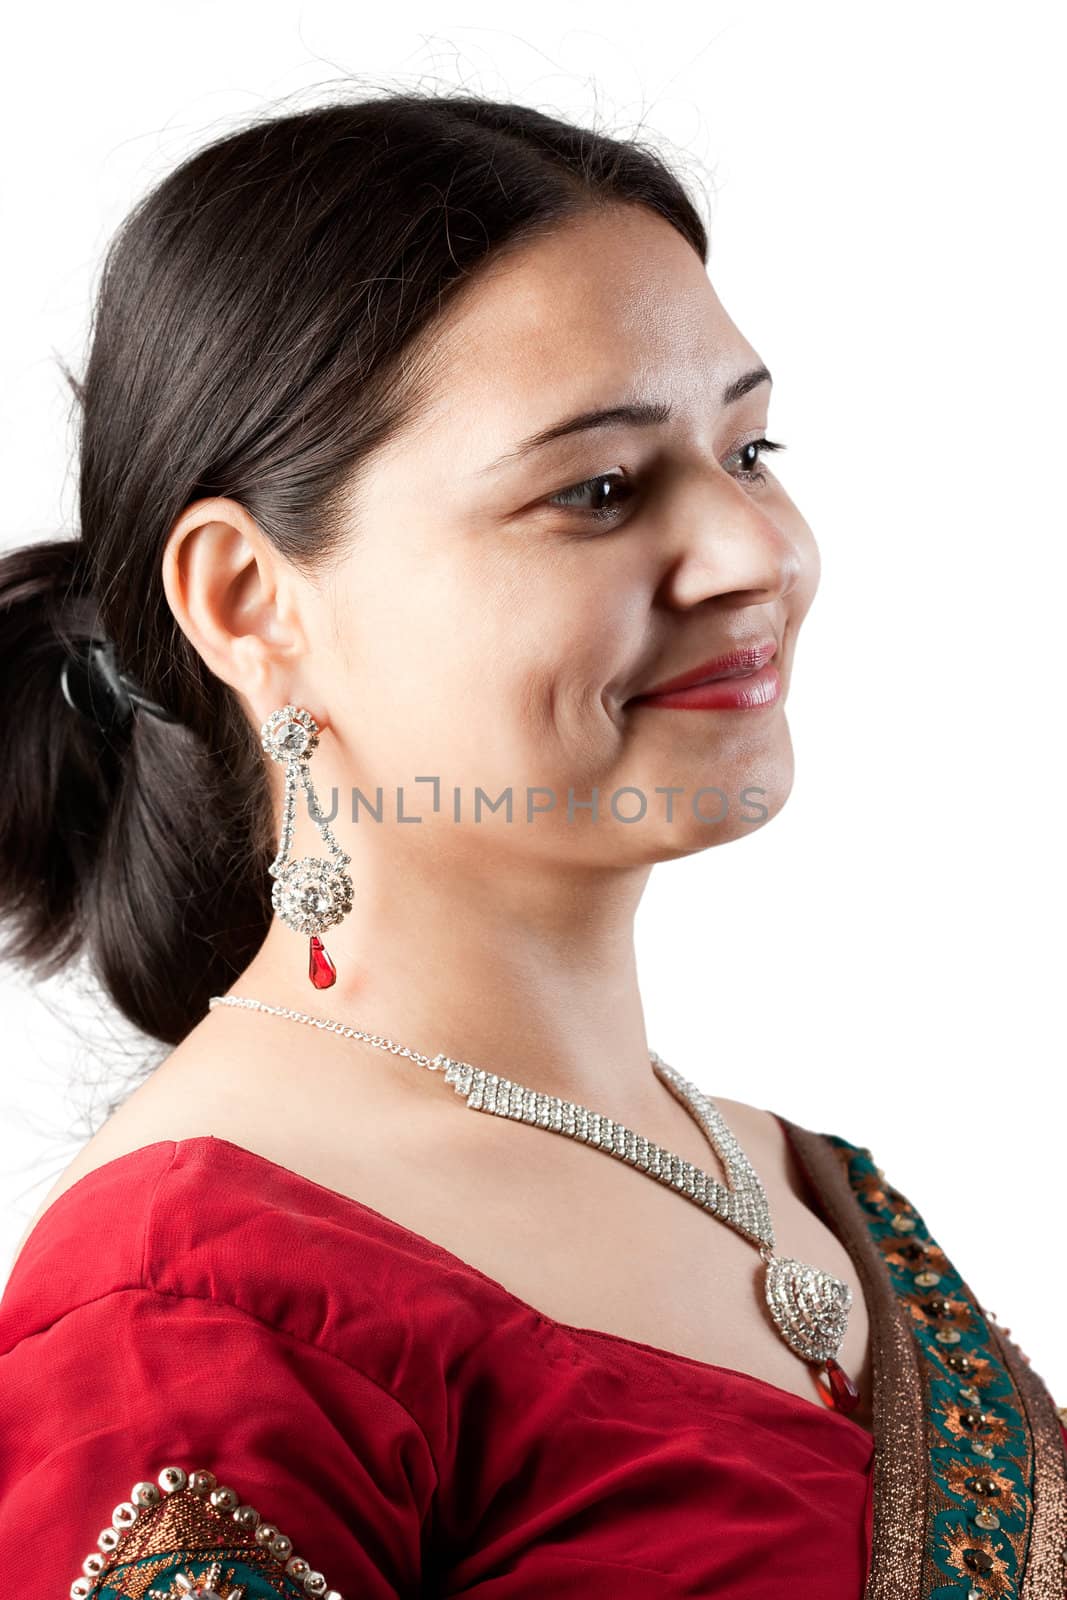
129,842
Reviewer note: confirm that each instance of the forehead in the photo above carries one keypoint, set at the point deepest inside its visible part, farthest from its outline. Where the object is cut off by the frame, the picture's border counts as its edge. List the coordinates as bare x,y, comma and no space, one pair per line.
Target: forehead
611,304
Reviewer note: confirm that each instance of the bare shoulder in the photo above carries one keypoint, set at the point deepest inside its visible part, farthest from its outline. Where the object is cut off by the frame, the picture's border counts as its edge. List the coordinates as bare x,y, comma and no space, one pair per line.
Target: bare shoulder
144,1118
362,1123
266,1100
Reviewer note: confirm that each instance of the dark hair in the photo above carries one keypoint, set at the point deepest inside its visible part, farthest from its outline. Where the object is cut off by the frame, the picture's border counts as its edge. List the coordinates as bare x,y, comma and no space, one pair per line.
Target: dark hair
263,319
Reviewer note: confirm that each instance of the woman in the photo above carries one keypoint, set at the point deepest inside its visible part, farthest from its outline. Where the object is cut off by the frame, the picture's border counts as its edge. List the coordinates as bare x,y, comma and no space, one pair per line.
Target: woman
419,463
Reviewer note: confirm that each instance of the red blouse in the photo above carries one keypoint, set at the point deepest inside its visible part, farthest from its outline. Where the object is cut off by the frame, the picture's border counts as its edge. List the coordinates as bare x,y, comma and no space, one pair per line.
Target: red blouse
411,1425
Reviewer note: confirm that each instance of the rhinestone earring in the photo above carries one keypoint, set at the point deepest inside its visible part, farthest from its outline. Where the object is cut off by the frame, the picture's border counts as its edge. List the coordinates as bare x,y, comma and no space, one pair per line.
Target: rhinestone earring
310,895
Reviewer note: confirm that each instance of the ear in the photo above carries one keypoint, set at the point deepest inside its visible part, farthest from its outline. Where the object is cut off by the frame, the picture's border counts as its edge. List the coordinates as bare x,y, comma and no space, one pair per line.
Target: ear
239,602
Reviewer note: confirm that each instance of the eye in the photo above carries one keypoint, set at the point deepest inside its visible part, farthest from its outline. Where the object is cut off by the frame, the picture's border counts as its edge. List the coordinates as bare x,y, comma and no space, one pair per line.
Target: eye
751,473
606,496
619,491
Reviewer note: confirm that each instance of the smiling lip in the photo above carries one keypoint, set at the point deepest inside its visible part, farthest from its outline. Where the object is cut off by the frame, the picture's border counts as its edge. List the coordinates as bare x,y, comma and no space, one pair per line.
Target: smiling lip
741,680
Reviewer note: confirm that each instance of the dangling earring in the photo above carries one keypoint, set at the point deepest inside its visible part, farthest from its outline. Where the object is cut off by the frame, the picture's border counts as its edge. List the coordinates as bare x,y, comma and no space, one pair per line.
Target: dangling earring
310,895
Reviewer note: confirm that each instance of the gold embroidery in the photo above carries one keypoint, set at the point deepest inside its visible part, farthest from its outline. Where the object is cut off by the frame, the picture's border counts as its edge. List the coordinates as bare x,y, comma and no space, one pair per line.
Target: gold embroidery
976,1556
188,1537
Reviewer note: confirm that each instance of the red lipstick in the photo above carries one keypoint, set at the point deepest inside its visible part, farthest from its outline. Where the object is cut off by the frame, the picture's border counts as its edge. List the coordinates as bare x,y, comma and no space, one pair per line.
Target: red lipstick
743,680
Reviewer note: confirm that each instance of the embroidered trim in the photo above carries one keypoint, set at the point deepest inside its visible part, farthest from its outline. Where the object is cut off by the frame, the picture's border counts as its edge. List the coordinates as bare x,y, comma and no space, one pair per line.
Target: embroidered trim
187,1536
985,1521
1048,1544
900,1459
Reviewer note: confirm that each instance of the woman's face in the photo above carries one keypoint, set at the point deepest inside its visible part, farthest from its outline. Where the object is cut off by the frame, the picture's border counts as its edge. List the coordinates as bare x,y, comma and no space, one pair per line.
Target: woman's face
500,603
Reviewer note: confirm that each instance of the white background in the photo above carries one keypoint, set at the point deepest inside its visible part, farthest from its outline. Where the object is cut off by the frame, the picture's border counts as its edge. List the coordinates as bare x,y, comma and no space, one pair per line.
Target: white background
884,187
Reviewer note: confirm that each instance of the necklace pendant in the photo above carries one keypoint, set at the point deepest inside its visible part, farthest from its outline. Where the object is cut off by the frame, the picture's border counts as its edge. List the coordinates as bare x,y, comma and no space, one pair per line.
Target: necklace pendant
810,1309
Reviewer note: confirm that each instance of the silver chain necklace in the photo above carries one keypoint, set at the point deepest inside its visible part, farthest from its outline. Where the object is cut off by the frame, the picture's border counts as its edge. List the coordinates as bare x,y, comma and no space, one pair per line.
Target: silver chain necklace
809,1307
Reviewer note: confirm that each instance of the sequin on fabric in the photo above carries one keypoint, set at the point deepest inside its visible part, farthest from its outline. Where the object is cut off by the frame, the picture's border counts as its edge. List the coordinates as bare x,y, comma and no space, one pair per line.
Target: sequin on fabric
962,1409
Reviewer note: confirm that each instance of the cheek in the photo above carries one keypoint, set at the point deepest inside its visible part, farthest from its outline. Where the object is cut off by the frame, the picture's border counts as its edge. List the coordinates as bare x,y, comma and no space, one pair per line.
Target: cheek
489,669
540,623
553,641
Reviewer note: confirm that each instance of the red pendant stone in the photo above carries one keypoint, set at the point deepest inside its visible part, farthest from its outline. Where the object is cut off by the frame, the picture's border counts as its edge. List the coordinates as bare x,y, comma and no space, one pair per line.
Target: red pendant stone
846,1397
321,969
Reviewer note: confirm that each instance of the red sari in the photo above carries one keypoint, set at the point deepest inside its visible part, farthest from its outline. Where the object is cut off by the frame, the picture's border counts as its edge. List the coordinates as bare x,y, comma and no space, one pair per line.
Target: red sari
389,1421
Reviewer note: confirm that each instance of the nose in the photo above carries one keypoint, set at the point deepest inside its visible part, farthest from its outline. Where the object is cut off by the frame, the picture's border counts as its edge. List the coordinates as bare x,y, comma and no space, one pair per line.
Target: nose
731,546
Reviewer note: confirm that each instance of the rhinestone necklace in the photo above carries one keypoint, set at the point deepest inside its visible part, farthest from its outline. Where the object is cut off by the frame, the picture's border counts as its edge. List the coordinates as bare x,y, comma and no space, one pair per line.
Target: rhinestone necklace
809,1307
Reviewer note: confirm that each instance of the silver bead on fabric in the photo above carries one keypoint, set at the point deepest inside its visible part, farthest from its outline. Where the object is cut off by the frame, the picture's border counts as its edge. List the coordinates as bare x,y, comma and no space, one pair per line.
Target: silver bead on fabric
145,1495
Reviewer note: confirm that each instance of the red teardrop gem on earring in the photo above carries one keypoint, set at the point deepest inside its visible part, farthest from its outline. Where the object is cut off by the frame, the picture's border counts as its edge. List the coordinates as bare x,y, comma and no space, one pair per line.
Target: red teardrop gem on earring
846,1397
321,969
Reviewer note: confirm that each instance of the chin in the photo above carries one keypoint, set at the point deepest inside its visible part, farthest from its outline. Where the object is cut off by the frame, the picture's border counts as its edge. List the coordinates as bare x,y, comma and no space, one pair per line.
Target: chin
720,800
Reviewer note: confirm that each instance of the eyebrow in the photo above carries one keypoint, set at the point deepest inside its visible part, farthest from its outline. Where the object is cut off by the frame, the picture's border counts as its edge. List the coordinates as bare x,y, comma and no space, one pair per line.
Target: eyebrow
637,414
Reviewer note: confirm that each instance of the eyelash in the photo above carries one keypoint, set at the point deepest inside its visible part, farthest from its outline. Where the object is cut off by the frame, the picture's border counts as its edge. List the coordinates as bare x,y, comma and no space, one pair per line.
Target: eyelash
608,513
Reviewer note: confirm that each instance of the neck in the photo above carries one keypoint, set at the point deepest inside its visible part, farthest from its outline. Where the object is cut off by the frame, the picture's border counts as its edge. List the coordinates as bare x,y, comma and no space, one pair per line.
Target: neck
522,968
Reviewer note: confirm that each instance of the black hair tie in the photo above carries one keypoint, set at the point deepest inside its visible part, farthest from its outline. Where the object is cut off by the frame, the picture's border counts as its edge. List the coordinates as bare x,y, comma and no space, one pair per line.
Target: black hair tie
93,684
